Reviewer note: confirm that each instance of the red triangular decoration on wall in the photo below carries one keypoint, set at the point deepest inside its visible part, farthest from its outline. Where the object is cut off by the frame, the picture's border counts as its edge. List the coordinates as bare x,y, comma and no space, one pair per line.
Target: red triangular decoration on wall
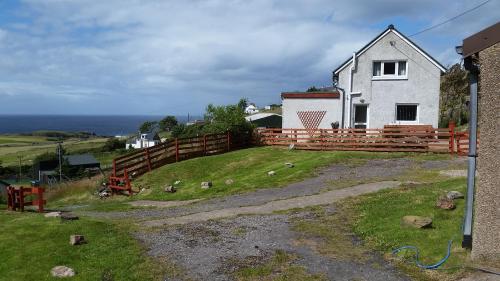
311,119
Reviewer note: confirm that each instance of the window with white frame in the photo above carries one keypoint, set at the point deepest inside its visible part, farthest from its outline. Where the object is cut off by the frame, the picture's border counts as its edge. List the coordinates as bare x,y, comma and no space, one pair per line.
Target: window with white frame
390,69
406,112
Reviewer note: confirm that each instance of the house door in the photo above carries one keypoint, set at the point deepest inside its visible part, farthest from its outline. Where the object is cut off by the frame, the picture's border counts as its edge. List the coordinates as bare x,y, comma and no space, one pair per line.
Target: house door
360,116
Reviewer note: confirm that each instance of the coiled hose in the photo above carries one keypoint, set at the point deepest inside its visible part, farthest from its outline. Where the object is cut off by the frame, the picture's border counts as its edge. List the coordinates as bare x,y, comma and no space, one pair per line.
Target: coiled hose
418,263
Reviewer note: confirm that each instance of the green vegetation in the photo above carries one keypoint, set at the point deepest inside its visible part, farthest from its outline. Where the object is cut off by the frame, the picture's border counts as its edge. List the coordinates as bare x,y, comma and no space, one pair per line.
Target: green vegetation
279,268
248,169
37,244
454,94
378,219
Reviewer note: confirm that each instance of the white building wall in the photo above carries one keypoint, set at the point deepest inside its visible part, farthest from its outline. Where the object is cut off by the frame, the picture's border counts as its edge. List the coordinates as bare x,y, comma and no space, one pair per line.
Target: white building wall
333,108
421,87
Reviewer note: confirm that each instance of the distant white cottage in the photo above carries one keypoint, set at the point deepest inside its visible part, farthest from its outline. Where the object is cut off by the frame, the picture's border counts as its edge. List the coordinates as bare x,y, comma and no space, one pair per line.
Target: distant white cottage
389,81
251,109
143,141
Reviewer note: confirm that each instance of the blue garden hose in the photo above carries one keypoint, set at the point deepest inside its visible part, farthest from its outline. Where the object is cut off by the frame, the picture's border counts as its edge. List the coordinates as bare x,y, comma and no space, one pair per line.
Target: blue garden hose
417,262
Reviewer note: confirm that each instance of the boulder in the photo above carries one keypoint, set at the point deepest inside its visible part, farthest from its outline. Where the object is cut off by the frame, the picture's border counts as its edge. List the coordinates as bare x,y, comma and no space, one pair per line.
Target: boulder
53,214
289,165
68,217
169,189
445,203
271,173
206,184
62,271
416,221
229,181
454,195
77,240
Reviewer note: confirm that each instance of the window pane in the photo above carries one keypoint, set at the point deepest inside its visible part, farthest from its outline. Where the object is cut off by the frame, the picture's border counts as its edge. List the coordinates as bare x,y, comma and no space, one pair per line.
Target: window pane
402,68
406,112
389,68
376,68
360,113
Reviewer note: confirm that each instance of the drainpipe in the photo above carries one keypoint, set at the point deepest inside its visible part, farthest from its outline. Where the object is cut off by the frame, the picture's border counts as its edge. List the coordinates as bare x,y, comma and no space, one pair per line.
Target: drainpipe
471,170
350,93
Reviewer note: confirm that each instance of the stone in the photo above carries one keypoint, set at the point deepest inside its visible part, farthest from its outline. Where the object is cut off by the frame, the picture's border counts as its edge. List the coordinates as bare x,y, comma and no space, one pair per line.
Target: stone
104,194
229,181
445,203
291,147
69,217
454,195
77,240
271,173
170,189
62,271
417,221
289,165
177,182
206,184
53,214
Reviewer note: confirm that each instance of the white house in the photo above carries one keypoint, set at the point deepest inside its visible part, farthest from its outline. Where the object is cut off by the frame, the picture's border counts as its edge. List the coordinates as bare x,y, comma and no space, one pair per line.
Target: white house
388,81
143,141
251,109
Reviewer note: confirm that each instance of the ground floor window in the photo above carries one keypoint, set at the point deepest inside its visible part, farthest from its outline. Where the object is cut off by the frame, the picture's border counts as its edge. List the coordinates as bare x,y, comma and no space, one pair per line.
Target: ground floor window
406,112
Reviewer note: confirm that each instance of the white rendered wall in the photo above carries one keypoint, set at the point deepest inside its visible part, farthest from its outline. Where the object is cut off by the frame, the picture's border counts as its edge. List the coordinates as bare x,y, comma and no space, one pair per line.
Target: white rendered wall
333,108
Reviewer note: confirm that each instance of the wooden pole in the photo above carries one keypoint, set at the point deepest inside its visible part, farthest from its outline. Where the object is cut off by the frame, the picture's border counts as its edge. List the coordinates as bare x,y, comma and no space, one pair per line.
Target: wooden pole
451,128
146,151
204,144
176,150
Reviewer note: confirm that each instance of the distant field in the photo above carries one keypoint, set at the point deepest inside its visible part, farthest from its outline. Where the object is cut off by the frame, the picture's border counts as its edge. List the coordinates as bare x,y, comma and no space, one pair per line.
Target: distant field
29,147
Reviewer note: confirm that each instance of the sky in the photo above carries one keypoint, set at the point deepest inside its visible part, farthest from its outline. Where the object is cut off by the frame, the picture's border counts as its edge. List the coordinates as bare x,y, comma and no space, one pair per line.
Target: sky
152,57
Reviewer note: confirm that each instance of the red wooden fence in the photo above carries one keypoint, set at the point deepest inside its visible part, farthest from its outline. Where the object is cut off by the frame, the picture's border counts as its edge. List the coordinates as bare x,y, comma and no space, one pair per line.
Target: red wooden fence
144,160
390,138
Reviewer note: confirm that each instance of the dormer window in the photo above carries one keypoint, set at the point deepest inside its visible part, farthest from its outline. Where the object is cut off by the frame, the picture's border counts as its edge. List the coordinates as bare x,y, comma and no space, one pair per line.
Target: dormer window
390,70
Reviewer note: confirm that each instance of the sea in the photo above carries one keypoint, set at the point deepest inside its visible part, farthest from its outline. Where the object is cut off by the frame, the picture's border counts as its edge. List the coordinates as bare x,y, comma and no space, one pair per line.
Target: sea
102,125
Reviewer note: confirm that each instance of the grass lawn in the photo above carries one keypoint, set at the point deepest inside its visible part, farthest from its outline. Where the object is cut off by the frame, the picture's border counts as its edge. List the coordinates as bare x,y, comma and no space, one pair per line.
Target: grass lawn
18,139
376,219
9,155
30,245
248,169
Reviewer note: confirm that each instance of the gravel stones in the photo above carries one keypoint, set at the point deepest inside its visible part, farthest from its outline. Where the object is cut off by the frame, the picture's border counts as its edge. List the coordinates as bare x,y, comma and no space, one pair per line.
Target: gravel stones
206,184
454,195
416,221
62,271
77,240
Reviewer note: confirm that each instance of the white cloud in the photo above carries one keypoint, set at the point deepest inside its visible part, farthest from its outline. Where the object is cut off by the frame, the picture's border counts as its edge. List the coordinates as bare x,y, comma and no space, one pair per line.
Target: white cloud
158,57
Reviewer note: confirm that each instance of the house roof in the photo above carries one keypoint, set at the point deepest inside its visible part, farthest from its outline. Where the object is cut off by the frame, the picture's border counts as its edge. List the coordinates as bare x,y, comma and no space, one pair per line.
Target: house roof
392,29
258,116
310,95
481,40
81,159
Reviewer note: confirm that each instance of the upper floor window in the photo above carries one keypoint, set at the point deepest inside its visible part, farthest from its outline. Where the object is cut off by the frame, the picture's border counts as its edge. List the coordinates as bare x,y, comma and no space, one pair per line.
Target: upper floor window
390,69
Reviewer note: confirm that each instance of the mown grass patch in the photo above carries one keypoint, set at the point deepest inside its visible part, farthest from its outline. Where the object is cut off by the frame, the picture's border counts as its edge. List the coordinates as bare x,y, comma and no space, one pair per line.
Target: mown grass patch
30,245
247,168
377,220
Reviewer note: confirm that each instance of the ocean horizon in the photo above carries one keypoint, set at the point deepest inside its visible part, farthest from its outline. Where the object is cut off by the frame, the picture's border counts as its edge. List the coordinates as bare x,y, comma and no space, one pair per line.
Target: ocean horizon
102,125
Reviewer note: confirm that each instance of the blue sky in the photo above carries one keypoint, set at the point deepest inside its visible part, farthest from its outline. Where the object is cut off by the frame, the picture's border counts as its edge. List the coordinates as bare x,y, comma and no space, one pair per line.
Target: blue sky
175,57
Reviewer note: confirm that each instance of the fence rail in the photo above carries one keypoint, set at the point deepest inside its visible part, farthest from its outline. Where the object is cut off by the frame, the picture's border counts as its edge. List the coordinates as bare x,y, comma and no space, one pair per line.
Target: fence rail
390,139
144,160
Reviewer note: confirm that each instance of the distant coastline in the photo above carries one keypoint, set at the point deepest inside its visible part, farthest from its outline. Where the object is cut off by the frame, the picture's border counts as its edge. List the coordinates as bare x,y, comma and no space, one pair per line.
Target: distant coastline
102,125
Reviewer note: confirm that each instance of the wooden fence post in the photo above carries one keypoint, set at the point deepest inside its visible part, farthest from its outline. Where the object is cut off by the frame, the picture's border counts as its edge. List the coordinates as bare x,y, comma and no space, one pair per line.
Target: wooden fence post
39,191
147,158
228,141
451,129
176,150
205,144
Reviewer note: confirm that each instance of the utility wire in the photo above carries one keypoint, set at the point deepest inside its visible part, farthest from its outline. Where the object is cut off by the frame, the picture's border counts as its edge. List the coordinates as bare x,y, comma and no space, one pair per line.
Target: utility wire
451,19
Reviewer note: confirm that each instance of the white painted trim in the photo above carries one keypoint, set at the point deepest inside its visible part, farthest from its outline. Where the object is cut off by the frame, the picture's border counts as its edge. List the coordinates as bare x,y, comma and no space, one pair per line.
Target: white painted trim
400,36
396,70
417,119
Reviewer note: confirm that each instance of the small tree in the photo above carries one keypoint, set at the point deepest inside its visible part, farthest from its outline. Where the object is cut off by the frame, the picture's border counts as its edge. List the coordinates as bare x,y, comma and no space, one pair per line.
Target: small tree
167,123
312,89
453,96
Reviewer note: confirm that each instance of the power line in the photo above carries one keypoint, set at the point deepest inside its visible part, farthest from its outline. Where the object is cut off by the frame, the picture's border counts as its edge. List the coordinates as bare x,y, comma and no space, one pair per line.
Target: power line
453,18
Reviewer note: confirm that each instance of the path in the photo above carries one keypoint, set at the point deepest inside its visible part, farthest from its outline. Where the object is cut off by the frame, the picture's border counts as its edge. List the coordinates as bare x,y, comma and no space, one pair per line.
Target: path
279,205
